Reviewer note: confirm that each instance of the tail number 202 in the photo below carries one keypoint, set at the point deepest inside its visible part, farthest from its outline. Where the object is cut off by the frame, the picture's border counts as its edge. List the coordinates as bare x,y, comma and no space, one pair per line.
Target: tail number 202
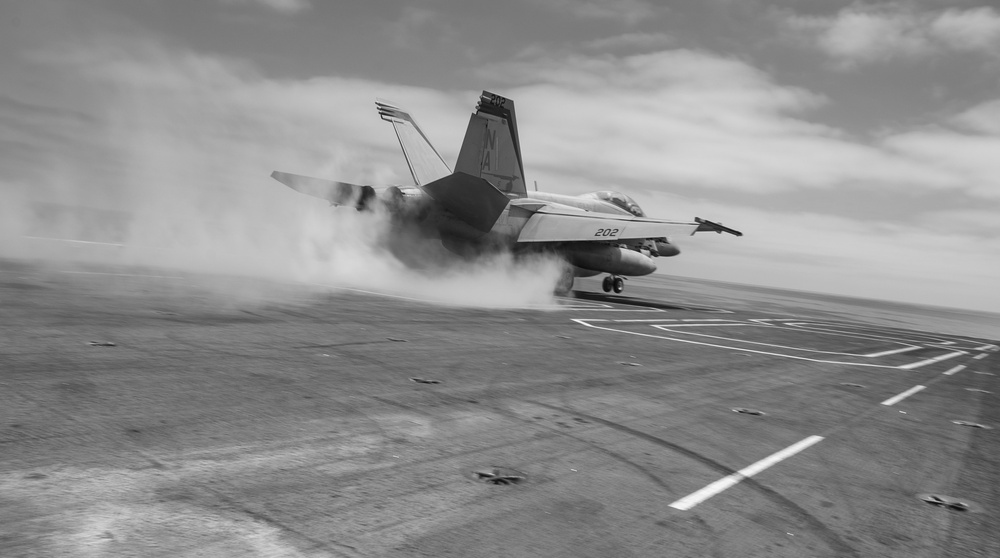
606,232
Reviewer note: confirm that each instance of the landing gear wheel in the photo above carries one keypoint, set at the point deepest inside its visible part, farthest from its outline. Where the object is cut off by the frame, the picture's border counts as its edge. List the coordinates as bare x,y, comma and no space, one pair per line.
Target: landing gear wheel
607,284
618,284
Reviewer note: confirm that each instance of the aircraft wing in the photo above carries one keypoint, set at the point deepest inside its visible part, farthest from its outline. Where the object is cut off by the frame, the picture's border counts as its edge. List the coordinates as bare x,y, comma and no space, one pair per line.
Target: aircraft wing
557,225
337,193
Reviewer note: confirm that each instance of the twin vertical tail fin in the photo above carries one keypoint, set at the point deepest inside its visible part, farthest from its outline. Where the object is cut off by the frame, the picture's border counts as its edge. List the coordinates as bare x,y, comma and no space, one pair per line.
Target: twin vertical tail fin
491,149
426,164
489,170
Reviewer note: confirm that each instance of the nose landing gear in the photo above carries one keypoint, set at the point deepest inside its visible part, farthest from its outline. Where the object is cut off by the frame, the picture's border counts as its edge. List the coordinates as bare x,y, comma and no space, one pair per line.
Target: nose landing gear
613,282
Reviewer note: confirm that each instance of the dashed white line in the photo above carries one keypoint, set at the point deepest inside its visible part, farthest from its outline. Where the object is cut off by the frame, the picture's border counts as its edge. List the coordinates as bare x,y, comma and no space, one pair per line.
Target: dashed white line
980,357
697,497
920,363
984,348
955,370
893,352
897,398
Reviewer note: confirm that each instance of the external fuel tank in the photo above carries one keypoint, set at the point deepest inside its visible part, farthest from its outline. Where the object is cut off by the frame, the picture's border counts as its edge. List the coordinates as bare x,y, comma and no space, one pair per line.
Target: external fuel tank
609,259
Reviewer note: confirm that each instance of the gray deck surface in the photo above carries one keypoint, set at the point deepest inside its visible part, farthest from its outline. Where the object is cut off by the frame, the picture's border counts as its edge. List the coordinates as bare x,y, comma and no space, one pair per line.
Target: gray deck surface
283,421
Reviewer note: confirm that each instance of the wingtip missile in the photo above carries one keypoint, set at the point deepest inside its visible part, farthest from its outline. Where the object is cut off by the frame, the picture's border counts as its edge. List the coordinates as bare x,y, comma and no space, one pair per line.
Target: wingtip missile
704,225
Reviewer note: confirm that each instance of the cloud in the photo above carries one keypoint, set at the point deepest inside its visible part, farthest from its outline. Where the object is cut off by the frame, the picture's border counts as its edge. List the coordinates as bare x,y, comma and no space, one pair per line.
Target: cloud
972,30
937,260
185,141
628,12
970,158
632,41
700,120
865,34
419,27
983,118
281,6
712,126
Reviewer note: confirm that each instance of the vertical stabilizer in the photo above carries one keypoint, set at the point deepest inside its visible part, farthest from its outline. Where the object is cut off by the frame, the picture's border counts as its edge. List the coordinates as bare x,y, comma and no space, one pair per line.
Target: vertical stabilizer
491,149
426,165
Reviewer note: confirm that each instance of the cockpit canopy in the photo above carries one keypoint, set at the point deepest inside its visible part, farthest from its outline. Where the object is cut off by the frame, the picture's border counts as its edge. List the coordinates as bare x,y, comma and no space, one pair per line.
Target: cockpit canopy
618,199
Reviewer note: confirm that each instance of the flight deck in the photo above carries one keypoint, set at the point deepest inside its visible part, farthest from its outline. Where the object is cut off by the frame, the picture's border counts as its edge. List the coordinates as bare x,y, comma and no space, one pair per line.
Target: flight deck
151,413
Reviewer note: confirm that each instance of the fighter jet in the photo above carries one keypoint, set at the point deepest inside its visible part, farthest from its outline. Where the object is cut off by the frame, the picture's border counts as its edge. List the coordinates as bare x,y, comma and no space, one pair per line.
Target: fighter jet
483,204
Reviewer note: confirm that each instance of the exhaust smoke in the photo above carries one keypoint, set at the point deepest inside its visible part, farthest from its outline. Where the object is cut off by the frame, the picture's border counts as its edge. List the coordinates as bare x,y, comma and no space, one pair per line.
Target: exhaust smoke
169,168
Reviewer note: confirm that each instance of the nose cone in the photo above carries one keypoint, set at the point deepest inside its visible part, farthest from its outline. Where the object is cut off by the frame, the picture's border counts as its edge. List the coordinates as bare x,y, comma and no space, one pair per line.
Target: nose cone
666,249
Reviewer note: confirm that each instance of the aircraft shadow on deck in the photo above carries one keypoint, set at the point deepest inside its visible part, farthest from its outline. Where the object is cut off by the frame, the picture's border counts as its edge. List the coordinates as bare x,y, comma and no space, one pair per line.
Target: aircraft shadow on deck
641,302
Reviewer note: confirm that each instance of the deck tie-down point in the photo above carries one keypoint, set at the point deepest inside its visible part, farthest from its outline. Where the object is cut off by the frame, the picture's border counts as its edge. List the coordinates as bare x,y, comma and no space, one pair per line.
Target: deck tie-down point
947,502
499,476
971,424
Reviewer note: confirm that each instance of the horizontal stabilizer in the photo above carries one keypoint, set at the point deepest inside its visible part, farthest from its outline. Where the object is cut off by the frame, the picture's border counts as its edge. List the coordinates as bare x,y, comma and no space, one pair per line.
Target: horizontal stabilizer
337,193
546,226
472,199
705,225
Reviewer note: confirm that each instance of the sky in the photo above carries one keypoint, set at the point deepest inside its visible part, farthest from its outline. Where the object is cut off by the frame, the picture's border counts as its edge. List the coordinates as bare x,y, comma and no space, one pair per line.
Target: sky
856,144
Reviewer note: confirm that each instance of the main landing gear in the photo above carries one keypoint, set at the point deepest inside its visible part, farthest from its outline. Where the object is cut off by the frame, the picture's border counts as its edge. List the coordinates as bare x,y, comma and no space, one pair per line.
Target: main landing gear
613,282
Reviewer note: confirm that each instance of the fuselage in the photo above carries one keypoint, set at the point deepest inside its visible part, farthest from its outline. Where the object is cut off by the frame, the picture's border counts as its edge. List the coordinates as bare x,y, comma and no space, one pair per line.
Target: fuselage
631,258
587,258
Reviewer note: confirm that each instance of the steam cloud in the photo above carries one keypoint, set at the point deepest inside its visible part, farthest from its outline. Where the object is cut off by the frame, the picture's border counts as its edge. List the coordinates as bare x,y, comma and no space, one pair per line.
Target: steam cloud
173,163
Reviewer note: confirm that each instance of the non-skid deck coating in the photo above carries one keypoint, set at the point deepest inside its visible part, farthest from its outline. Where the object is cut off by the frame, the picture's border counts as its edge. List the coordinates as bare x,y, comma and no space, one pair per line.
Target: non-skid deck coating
286,421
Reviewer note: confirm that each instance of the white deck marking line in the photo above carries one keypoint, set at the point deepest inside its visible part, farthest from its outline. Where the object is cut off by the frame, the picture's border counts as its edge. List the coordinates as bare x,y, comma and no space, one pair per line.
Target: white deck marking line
695,498
980,357
860,334
670,327
858,328
984,348
643,320
731,324
913,337
955,370
121,274
705,320
893,352
897,398
920,363
75,241
584,322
